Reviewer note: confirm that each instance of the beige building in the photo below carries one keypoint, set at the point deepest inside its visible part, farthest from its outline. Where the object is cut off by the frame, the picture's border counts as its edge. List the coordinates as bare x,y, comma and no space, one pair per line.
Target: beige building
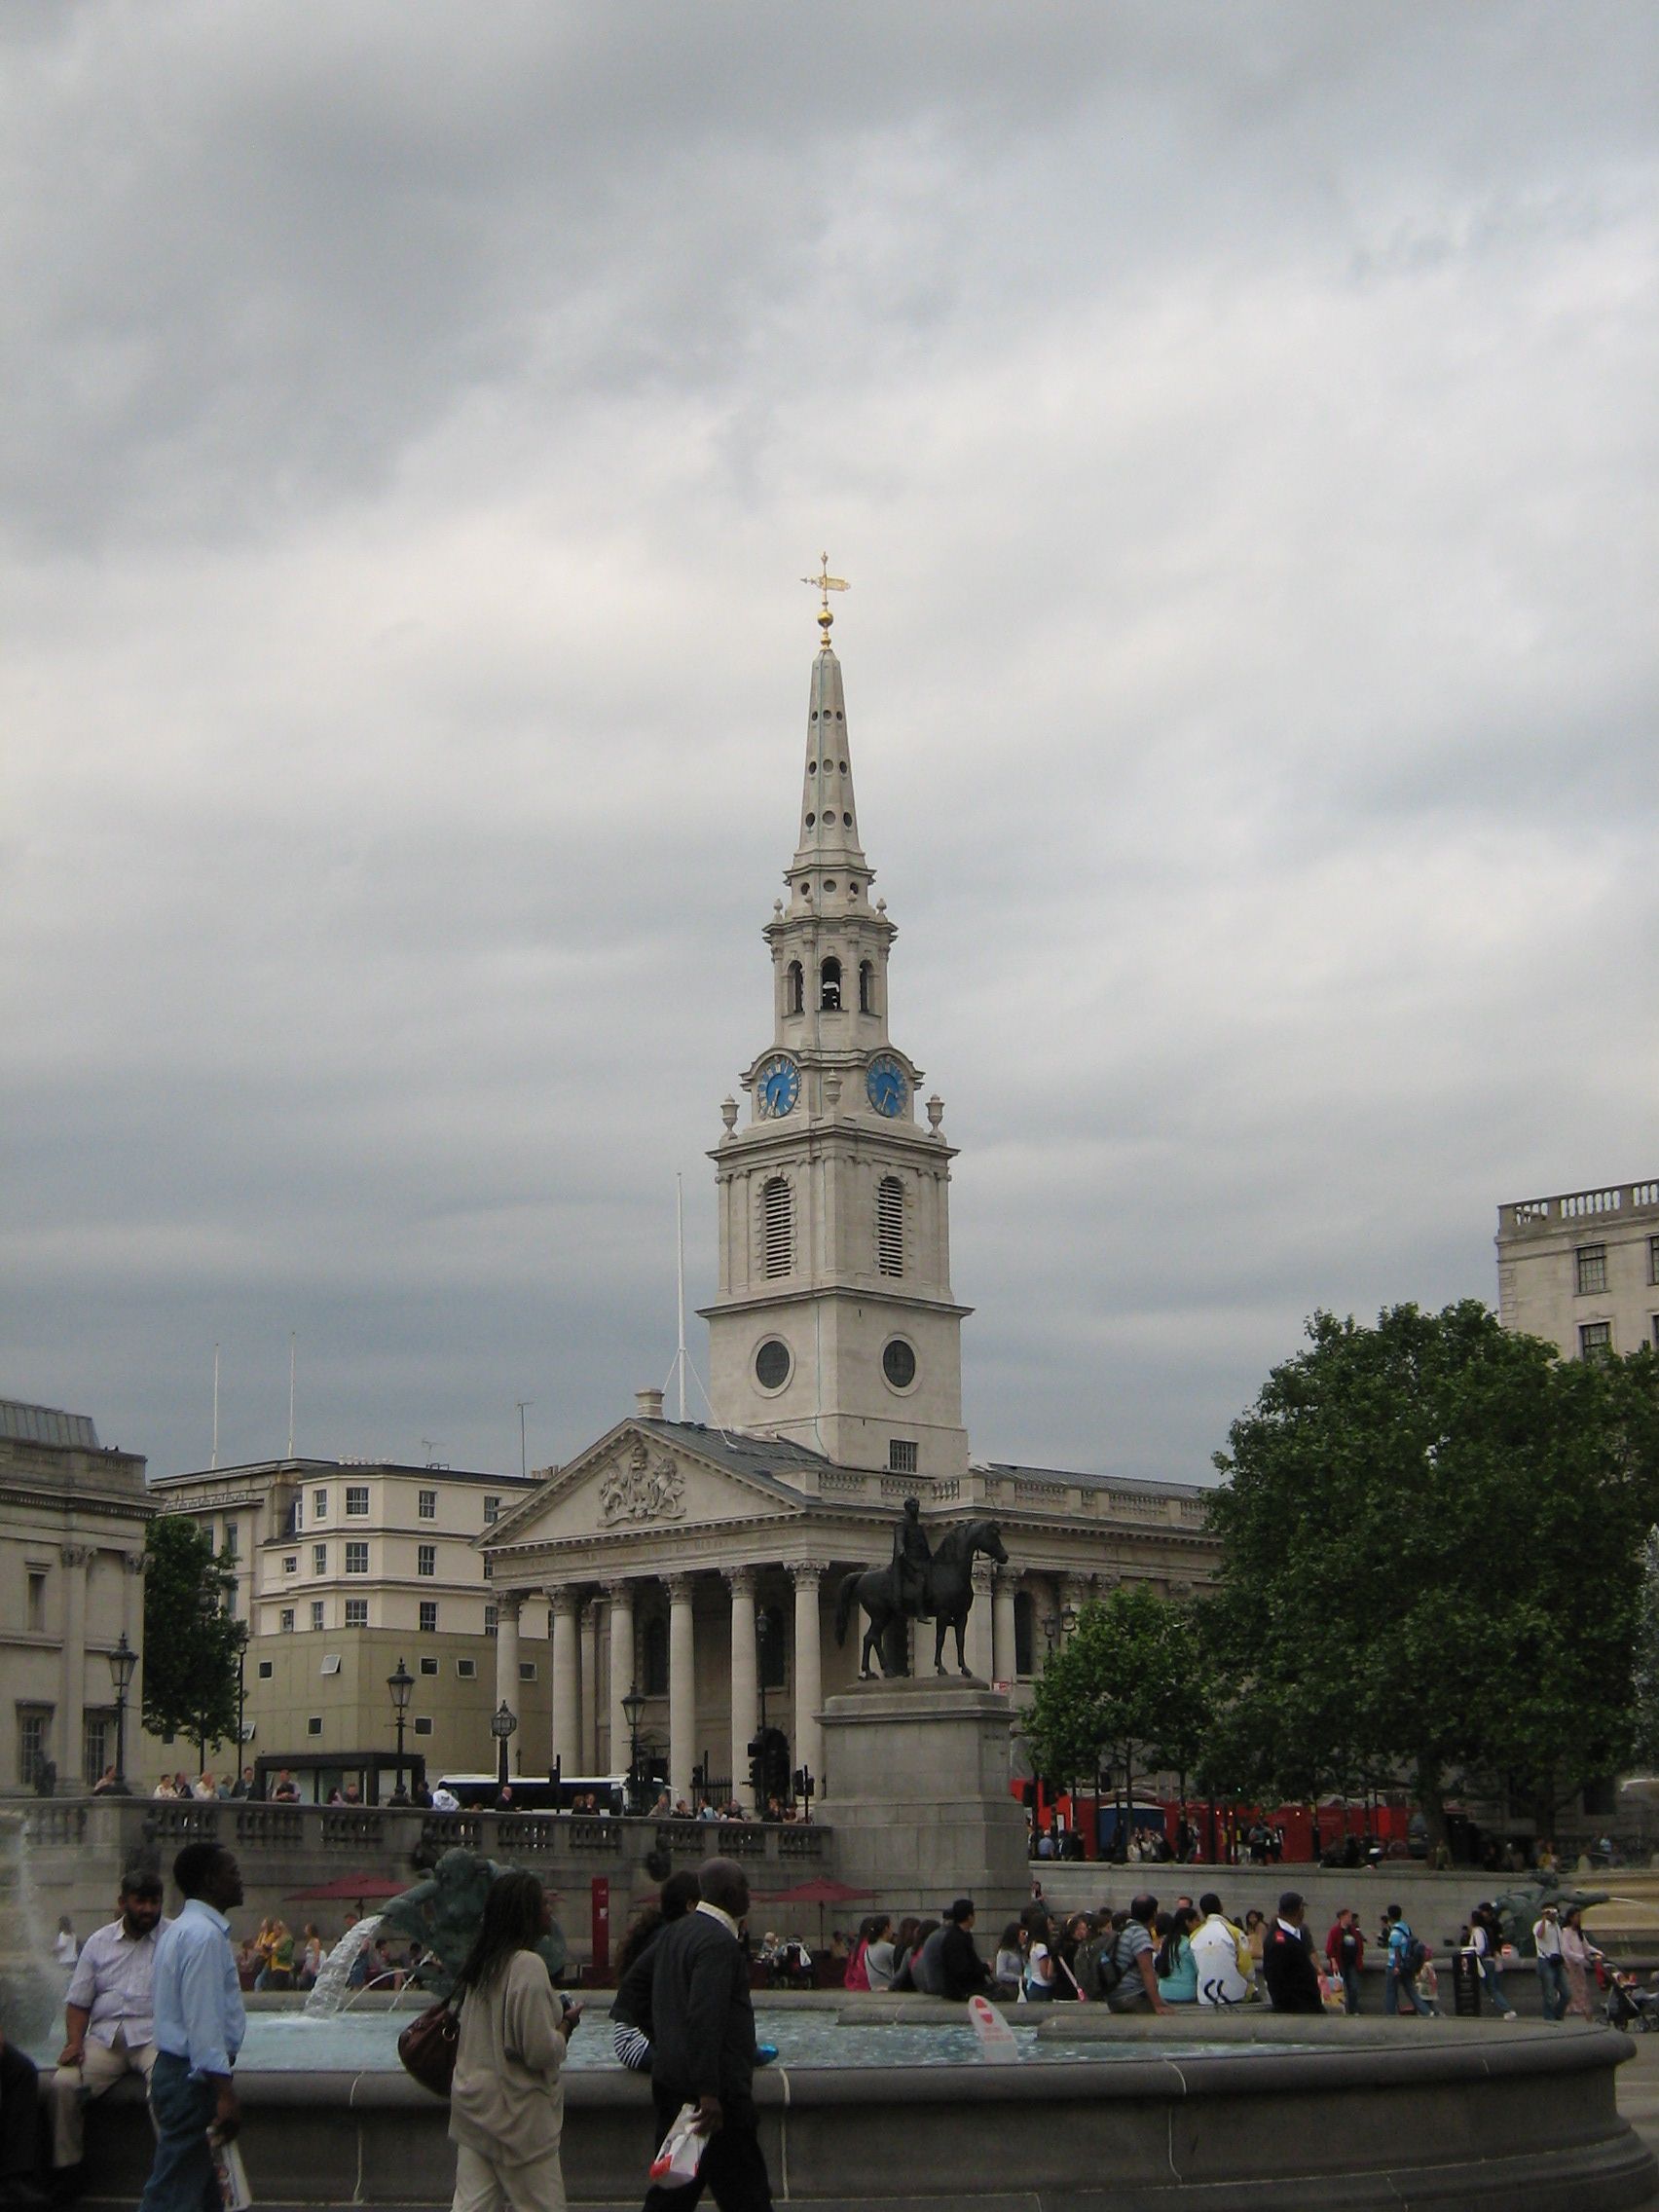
72,1523
341,1569
706,1564
1582,1270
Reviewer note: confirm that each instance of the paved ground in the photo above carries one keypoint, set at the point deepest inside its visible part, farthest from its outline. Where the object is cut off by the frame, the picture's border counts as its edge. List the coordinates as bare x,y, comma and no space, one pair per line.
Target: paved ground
1638,2090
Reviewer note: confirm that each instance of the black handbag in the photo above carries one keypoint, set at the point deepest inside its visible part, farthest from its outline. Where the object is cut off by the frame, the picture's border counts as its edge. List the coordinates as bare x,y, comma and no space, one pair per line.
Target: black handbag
427,2046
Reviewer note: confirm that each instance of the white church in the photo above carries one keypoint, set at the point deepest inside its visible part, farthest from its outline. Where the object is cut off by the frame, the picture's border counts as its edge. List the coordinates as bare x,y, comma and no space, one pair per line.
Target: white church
700,1564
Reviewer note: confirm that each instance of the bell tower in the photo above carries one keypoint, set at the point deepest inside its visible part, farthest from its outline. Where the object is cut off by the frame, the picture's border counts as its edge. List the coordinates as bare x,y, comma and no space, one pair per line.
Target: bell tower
835,1323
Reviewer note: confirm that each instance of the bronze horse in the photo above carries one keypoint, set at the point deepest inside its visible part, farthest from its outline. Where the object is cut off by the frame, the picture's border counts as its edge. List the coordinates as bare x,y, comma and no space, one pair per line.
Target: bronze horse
953,1580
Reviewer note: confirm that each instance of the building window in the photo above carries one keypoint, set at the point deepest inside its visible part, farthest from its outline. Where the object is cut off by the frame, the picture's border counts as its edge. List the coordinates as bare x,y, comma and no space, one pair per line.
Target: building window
266,1669
230,1539
428,1617
356,1501
37,1601
97,1735
357,1612
34,1724
286,1620
890,1226
426,1561
488,1571
527,1670
297,1517
330,1663
1024,1633
772,1364
794,990
492,1619
423,1724
491,1510
319,1505
428,1505
429,1666
319,1558
830,984
656,1652
466,1670
901,1456
1595,1340
291,1562
314,1725
776,1227
1654,1259
867,986
356,1558
1591,1263
316,1613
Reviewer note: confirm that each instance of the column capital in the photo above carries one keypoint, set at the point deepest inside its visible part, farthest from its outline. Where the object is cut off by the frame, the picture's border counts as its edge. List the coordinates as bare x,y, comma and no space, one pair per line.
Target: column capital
507,1604
1007,1579
621,1591
75,1554
679,1589
1074,1589
741,1579
803,1570
566,1600
981,1572
135,1561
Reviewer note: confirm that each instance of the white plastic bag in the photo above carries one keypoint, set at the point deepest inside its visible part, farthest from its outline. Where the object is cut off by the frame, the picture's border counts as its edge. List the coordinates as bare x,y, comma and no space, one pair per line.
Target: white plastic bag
681,2152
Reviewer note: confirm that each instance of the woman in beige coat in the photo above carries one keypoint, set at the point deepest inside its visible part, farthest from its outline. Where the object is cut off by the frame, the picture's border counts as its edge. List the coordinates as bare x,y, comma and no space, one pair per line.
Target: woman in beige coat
507,2102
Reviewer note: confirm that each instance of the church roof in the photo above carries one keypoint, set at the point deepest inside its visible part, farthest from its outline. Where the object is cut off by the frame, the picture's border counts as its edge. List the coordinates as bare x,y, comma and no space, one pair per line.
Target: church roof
1081,1480
756,1456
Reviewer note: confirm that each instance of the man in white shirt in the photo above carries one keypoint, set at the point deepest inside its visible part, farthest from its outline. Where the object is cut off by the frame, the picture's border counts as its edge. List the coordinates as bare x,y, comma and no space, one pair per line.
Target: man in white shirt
109,2019
1552,1975
1222,1980
444,1799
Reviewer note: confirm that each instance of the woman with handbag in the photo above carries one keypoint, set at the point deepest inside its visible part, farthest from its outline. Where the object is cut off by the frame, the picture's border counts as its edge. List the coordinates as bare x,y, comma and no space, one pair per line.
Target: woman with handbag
507,2098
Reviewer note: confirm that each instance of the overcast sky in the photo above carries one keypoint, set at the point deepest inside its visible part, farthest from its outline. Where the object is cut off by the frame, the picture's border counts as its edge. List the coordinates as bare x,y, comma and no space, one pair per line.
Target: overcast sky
1237,424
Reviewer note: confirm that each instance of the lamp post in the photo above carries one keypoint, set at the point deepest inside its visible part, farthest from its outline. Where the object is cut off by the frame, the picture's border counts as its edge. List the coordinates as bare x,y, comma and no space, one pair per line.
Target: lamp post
502,1721
241,1700
123,1661
633,1707
402,1687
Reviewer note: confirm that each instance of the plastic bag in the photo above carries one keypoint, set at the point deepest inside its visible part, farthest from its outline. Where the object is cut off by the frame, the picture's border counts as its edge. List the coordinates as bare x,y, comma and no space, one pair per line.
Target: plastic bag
681,2151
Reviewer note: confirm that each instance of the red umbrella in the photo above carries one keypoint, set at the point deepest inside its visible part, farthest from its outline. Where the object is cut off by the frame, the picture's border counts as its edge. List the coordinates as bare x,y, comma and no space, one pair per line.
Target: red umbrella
821,1890
359,1887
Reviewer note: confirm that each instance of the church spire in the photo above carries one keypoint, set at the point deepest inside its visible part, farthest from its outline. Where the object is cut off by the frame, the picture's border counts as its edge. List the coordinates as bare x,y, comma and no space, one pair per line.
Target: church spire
829,812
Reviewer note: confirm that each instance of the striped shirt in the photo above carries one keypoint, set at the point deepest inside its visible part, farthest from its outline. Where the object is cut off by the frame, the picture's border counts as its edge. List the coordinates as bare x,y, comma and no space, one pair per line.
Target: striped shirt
113,1981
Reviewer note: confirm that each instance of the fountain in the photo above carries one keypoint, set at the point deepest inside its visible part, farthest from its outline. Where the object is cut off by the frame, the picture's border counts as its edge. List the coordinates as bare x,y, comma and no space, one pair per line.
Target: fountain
31,1990
332,1987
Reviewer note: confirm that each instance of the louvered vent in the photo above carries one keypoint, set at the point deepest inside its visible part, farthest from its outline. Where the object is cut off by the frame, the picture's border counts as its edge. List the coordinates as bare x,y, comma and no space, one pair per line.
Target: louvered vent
890,1226
776,1225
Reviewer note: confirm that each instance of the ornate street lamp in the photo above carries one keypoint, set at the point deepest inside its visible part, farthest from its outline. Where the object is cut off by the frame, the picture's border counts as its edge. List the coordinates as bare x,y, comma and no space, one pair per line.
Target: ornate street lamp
502,1721
633,1707
122,1662
402,1687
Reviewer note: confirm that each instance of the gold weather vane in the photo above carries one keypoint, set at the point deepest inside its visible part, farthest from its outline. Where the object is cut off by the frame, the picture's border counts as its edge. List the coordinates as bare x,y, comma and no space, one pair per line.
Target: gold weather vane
825,583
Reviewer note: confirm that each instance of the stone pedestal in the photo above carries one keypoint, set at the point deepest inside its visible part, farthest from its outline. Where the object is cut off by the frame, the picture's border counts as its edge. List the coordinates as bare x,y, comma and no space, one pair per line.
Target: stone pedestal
917,1789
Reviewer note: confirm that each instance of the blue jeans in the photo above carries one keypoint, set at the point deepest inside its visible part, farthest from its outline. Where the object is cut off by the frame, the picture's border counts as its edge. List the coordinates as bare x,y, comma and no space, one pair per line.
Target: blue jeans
182,2178
1553,1983
1491,1974
1397,1994
1351,1988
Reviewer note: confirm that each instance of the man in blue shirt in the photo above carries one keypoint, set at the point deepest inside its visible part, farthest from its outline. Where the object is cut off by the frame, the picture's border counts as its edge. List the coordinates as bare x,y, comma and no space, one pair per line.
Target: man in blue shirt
199,2024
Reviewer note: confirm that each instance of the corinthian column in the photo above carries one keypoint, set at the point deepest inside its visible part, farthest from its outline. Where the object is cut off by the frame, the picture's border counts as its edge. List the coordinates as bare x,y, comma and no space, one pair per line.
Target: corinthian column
978,1641
621,1672
566,1684
808,1574
682,1687
71,1749
588,1730
745,1680
507,1650
1003,1654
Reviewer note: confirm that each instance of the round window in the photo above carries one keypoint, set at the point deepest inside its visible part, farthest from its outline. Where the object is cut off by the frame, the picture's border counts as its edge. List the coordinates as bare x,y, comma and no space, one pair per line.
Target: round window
772,1364
898,1363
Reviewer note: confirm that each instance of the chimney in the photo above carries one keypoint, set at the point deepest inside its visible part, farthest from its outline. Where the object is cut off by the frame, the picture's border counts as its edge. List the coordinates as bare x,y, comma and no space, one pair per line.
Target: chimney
647,1405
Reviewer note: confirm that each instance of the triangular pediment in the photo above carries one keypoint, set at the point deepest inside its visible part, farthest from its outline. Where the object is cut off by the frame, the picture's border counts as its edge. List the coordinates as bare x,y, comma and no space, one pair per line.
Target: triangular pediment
638,1480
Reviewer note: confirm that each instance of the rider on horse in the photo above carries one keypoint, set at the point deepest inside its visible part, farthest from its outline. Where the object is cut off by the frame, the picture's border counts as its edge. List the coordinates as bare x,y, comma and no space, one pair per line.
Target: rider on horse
912,1565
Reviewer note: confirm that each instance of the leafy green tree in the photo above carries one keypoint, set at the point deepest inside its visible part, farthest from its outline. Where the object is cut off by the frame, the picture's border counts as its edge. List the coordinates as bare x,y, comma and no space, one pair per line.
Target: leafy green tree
1127,1688
191,1639
1431,1535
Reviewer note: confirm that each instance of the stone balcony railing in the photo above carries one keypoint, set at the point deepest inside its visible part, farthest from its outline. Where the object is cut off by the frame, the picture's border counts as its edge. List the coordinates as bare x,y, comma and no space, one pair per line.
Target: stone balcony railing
324,1838
1572,1206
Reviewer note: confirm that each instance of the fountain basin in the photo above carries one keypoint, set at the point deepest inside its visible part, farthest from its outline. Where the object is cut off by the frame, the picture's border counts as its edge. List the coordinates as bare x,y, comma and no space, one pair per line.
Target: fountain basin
1356,2115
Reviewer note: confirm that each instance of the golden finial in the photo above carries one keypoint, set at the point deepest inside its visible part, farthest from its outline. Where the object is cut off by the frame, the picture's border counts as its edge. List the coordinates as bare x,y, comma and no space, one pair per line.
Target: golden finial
825,583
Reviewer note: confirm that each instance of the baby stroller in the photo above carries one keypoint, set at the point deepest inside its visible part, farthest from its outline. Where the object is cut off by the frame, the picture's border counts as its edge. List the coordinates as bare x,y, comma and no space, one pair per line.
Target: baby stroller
1630,2007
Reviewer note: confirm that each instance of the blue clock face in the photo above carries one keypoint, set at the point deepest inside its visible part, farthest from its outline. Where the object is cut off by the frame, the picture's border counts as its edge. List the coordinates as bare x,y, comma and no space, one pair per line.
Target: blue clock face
777,1087
885,1082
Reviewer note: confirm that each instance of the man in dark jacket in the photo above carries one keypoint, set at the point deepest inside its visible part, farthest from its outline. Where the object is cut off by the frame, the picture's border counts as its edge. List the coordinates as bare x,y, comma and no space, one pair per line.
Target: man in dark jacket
1287,1961
958,1970
703,2045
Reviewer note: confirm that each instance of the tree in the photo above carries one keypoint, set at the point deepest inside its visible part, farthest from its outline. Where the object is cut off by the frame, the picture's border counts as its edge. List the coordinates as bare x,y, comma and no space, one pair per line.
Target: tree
191,1639
1127,1688
1431,1537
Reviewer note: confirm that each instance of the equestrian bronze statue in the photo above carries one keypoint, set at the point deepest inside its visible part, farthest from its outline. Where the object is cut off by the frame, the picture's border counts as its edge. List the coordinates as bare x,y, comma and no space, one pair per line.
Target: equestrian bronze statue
918,1585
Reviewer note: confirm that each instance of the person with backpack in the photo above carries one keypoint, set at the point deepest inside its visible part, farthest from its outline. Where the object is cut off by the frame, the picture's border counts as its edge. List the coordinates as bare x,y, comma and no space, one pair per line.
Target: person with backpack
1485,1941
1407,1958
1129,1971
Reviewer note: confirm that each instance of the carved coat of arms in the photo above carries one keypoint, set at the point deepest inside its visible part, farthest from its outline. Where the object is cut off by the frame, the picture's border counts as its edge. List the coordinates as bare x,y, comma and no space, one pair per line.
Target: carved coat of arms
647,1486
